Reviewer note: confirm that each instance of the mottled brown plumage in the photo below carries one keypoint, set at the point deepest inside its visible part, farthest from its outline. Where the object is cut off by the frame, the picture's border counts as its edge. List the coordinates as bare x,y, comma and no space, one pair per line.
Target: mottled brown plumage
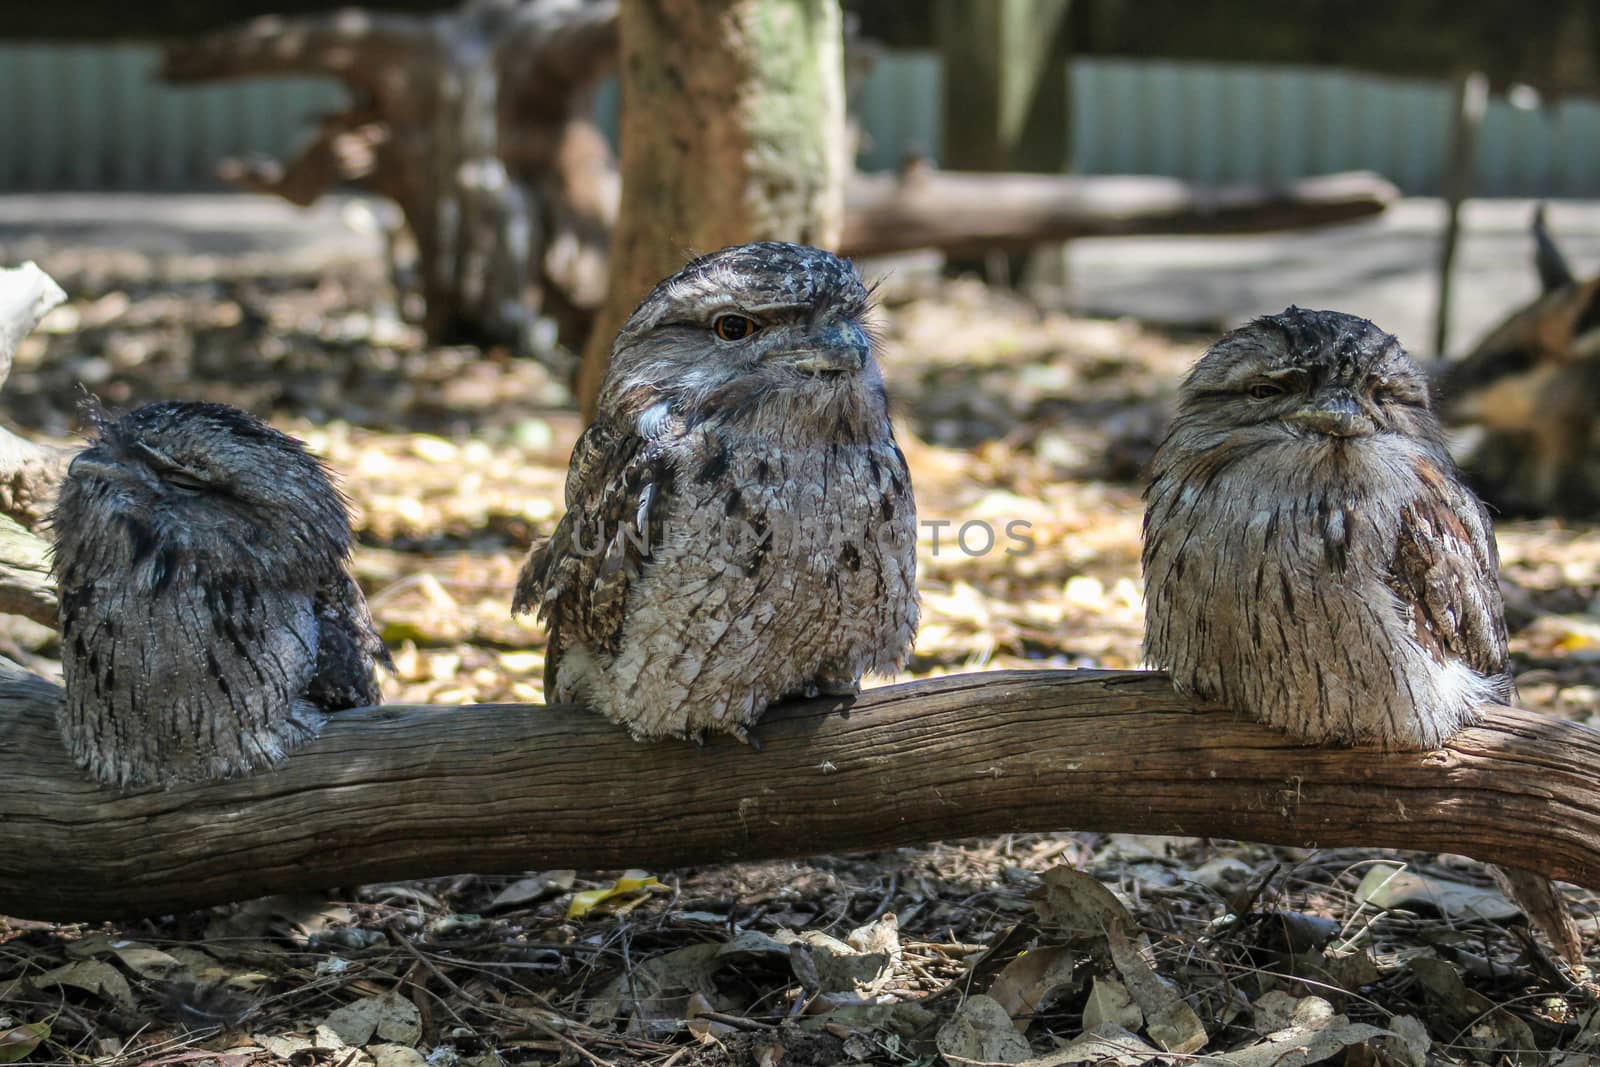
739,523
1311,556
208,614
1313,559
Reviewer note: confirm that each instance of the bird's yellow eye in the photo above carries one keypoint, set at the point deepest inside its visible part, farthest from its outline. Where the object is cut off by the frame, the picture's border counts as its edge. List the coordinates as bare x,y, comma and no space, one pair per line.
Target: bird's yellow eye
734,327
1266,390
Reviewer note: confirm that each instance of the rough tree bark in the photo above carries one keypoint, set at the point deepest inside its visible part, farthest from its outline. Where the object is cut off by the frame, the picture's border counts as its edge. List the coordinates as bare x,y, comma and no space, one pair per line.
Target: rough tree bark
732,130
407,792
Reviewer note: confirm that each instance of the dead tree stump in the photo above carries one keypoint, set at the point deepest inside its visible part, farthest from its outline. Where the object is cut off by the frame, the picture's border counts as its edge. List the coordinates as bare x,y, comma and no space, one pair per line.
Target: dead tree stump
478,125
1530,392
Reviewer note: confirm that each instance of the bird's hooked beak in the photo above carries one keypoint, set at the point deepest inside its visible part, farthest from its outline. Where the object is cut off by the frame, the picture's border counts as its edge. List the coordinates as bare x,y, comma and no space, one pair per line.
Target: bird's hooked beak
836,348
1338,414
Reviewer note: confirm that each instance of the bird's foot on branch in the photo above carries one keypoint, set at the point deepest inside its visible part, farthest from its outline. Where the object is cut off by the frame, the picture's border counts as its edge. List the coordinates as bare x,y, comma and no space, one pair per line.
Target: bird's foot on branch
844,690
829,687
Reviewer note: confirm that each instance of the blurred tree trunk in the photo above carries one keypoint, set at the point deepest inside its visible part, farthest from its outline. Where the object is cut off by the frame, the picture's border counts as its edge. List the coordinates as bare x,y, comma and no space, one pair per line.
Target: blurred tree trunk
732,130
1007,104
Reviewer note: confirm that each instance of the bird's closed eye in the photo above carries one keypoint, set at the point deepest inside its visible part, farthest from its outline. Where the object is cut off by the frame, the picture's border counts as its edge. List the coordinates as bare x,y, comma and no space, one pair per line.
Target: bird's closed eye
734,327
184,480
1265,390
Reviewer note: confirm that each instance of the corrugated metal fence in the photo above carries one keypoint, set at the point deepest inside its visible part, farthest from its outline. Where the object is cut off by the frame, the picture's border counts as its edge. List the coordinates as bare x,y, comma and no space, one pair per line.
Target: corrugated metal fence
92,117
1212,122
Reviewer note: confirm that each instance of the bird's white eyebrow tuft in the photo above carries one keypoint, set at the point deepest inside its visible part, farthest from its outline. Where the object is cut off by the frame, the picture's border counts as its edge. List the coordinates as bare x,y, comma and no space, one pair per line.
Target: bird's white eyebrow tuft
653,419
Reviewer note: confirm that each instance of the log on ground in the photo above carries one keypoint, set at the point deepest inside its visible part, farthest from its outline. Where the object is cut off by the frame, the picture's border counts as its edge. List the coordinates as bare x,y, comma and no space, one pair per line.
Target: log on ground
958,212
409,792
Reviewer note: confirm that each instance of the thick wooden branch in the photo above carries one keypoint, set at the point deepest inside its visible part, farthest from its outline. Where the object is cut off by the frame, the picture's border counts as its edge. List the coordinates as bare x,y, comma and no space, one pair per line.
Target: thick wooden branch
967,213
404,792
